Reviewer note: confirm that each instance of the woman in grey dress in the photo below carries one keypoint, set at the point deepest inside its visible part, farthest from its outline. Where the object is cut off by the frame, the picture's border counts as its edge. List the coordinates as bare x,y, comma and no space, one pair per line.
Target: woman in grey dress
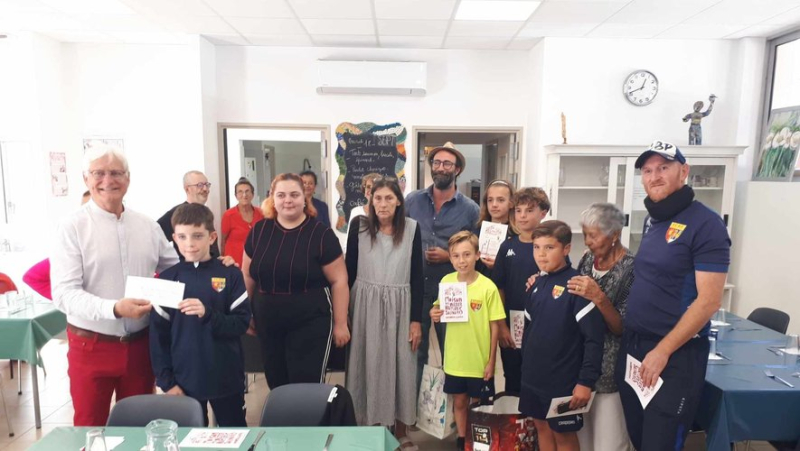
607,276
384,264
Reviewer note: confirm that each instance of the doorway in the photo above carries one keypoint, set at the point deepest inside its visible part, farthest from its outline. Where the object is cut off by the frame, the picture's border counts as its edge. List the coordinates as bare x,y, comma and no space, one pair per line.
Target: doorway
490,154
260,153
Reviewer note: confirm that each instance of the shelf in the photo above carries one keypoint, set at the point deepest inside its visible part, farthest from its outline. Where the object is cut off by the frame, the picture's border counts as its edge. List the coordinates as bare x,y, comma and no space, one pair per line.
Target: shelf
602,188
707,188
577,232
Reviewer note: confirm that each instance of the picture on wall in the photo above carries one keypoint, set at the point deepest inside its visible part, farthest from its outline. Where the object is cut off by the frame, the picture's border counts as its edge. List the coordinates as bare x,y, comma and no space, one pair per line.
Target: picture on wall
58,174
778,158
366,148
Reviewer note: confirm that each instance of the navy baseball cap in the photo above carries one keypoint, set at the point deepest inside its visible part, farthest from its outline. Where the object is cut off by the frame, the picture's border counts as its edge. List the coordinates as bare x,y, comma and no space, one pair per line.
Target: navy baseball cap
663,148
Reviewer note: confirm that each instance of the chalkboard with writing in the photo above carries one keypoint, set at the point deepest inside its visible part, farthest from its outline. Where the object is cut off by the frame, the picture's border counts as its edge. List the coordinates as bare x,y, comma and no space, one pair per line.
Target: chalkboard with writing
365,148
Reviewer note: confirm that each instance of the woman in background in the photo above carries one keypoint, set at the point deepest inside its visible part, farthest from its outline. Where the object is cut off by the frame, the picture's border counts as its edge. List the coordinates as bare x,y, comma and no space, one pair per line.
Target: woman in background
237,221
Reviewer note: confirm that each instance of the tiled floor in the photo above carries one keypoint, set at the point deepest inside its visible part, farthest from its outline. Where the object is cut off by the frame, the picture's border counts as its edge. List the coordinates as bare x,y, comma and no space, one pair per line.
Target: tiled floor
57,405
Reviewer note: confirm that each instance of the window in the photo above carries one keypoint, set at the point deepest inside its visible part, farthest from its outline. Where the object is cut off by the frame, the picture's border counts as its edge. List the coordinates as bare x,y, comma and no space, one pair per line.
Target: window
783,82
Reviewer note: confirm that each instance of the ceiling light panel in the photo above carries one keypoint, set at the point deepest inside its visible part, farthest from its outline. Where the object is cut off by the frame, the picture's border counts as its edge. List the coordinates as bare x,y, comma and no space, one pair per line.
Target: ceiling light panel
496,10
89,6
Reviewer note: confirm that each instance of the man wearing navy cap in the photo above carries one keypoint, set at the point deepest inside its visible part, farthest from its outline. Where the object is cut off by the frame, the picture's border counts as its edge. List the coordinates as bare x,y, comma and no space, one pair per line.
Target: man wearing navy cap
679,275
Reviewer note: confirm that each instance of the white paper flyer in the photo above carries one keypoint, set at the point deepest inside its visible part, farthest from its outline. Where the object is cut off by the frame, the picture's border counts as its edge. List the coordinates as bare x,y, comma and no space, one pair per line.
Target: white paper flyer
492,236
517,321
634,379
453,300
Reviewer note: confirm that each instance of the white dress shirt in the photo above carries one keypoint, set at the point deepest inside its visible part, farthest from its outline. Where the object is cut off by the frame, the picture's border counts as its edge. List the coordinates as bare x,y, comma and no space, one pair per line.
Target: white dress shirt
94,253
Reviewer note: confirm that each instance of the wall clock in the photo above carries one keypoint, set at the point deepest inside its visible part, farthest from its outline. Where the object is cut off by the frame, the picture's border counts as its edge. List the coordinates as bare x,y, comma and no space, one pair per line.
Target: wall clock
640,87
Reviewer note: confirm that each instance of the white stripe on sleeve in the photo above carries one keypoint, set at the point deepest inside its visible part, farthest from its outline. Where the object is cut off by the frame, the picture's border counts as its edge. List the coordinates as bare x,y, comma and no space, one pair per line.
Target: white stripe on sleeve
239,301
162,313
584,311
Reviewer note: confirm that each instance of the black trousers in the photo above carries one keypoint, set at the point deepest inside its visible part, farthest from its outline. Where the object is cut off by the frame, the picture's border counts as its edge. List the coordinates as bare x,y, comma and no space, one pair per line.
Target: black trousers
669,415
512,369
295,334
229,410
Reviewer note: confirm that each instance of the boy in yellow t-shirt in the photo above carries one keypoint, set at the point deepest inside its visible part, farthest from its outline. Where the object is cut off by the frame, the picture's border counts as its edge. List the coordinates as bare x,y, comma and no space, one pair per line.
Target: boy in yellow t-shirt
470,347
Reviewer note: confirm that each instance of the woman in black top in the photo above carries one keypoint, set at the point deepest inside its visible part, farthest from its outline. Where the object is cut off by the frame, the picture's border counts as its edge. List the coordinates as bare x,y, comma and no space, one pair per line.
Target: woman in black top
297,282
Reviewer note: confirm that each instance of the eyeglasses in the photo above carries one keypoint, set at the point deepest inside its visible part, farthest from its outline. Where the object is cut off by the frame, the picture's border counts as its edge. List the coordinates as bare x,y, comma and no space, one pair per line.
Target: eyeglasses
100,174
201,185
445,164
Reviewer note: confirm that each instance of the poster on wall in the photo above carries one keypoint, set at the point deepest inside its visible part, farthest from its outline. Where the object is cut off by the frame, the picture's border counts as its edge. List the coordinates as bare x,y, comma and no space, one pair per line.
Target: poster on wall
58,173
365,148
778,159
88,143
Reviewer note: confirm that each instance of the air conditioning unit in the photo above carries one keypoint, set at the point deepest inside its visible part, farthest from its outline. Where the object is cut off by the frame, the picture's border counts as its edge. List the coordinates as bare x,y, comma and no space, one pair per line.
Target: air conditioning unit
372,77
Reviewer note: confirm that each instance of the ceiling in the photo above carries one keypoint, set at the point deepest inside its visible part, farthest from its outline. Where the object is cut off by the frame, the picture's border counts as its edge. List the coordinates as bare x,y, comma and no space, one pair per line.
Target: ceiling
428,24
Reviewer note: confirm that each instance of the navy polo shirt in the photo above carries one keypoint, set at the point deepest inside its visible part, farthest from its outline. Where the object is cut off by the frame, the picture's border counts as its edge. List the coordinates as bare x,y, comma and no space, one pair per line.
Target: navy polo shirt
512,268
457,214
664,284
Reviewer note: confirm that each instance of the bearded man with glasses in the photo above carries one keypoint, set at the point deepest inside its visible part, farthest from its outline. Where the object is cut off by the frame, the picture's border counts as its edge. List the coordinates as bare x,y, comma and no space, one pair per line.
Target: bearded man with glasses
441,211
197,188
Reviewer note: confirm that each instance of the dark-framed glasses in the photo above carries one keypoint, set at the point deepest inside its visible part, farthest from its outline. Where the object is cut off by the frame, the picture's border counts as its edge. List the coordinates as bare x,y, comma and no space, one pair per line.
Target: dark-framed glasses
445,164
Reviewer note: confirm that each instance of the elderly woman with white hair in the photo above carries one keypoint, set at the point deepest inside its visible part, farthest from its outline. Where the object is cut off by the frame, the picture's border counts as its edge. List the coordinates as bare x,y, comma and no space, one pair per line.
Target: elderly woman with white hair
606,278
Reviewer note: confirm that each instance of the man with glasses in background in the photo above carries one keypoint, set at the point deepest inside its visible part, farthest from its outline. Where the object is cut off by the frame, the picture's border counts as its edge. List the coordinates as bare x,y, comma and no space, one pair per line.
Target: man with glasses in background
441,211
197,187
95,249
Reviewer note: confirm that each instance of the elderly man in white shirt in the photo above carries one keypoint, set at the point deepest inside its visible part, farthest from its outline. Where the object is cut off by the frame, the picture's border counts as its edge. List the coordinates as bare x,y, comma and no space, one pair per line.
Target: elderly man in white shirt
97,247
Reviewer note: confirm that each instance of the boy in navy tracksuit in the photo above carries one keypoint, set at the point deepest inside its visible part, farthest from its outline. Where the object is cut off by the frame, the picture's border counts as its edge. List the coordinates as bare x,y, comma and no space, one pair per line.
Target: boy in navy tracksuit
562,348
512,268
196,350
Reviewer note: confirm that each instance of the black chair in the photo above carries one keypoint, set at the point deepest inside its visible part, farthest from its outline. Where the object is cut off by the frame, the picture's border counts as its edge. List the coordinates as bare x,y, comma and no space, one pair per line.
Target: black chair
308,405
770,318
137,411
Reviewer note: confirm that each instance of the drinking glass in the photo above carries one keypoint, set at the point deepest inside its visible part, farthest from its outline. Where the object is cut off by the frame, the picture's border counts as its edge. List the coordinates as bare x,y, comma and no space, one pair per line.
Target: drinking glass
162,435
95,440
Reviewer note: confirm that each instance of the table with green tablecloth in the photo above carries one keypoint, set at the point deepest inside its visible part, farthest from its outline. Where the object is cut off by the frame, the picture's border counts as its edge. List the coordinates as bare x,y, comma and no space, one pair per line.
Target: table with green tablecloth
739,402
23,333
373,438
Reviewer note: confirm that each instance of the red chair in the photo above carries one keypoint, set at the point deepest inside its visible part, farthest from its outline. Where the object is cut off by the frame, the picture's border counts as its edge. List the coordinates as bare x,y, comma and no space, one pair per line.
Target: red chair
6,285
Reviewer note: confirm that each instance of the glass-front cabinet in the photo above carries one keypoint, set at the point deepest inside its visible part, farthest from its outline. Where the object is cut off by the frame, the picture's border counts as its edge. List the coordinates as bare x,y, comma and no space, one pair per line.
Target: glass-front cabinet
579,175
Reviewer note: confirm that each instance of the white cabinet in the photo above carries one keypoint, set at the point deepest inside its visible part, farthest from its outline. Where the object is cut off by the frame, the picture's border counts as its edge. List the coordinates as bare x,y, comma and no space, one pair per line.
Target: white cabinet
579,175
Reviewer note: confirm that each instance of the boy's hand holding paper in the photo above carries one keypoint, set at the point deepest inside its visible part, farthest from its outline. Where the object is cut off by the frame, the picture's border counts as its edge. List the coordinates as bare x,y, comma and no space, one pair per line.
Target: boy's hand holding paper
567,405
192,306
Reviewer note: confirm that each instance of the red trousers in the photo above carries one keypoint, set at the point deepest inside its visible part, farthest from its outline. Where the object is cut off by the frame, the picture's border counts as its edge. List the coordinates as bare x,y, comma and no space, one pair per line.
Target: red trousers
98,368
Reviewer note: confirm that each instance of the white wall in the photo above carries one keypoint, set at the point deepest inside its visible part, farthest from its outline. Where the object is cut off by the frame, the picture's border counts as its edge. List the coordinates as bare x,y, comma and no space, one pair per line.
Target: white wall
148,95
764,253
31,108
583,78
465,88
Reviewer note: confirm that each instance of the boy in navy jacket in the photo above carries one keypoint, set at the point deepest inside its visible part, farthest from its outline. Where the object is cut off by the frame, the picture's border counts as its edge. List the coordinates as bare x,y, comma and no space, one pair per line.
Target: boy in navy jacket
562,348
196,350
